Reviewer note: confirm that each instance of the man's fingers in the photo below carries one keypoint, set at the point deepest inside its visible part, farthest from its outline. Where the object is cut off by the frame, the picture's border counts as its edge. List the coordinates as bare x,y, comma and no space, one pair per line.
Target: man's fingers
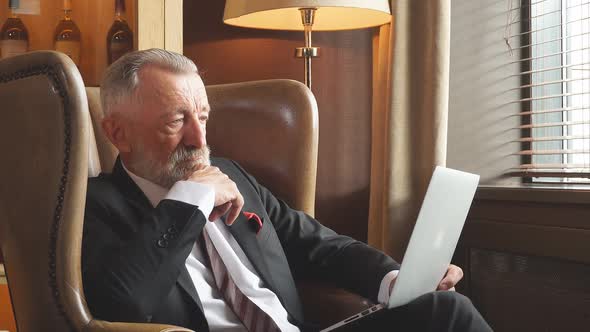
219,211
233,214
392,284
444,285
199,168
455,273
228,199
453,276
235,210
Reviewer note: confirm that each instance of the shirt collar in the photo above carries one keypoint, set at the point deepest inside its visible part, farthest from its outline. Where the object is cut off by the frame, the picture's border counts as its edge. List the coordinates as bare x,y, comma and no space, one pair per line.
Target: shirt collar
154,193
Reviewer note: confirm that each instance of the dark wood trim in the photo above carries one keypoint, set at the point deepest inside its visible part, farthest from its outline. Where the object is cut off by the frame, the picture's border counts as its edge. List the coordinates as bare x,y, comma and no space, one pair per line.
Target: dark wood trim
557,242
567,215
577,194
542,221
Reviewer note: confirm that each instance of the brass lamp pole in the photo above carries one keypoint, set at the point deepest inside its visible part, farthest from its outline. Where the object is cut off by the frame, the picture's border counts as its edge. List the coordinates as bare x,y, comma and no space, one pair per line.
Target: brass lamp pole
308,52
289,14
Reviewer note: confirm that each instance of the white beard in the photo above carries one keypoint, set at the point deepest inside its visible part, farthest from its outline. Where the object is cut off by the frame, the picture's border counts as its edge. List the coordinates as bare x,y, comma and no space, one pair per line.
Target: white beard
181,164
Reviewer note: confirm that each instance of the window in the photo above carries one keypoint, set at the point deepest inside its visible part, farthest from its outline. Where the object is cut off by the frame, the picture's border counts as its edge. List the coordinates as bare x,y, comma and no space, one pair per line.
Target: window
554,53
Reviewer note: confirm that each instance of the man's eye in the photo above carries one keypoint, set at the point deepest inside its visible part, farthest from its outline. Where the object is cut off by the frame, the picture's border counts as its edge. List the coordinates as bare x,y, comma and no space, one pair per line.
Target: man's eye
177,121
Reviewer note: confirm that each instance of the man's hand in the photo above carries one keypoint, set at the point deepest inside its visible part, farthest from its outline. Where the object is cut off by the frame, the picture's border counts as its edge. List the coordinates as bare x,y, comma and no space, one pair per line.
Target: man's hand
227,197
453,276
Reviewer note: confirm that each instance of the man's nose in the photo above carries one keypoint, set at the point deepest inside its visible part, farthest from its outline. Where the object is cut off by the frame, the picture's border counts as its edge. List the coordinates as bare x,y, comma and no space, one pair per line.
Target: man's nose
195,133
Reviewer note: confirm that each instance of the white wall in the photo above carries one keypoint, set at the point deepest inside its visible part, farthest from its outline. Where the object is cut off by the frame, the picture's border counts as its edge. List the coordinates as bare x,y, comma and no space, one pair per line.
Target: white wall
481,117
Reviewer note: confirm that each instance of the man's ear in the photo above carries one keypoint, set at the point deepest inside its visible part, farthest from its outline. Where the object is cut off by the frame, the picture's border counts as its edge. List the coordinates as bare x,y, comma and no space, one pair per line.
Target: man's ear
117,132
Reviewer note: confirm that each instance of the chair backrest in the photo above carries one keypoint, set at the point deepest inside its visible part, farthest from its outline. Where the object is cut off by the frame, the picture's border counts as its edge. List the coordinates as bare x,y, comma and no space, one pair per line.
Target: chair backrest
43,136
269,127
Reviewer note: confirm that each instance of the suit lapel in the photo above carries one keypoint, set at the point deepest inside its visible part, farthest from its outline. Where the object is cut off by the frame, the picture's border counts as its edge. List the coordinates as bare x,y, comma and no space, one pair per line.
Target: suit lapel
134,195
252,246
185,281
263,257
263,250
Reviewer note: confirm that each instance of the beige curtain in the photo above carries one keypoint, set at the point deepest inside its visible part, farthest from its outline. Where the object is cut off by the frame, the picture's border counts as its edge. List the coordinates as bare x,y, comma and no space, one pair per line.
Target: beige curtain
410,107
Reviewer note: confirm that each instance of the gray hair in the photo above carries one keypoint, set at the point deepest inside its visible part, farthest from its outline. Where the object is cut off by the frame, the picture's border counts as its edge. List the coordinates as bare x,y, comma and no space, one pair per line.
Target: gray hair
121,79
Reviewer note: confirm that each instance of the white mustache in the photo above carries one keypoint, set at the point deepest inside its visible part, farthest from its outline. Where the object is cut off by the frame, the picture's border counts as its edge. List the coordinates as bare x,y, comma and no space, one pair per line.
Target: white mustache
183,153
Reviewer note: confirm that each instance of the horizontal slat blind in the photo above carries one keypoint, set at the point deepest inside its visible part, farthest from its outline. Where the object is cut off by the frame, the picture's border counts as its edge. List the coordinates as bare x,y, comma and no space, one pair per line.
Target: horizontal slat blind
552,138
552,40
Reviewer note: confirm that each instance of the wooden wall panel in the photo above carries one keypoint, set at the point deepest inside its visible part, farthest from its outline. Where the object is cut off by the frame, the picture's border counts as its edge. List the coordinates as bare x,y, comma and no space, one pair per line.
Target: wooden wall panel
341,83
173,38
6,318
529,293
150,20
94,19
526,257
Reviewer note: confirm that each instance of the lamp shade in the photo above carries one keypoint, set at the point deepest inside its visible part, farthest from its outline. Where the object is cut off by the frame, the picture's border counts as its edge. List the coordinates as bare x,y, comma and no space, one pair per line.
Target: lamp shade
285,15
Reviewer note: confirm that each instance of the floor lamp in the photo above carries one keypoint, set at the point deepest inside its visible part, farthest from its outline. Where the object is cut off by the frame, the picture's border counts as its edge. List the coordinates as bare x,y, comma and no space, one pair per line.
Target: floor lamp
305,15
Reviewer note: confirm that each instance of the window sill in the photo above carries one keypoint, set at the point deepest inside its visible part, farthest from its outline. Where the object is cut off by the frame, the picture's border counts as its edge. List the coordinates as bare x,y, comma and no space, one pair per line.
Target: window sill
559,193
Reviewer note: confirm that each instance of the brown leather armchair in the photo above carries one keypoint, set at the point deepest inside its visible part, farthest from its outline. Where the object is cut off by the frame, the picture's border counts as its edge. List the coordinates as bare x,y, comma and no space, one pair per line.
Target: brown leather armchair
52,147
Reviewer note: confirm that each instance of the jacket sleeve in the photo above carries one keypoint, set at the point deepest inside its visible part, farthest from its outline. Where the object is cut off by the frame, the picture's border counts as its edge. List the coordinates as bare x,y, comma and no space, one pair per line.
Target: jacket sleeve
315,251
130,267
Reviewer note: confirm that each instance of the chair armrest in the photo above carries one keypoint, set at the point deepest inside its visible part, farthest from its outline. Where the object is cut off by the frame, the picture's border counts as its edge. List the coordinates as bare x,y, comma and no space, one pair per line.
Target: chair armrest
324,304
104,326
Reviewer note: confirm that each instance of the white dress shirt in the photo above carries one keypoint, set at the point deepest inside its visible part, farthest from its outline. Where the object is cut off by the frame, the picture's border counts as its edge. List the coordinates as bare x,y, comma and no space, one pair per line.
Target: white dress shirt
219,315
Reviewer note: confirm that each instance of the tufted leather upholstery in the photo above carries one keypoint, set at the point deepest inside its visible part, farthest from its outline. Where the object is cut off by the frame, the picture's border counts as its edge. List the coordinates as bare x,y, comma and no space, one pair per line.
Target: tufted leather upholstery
270,127
244,118
45,134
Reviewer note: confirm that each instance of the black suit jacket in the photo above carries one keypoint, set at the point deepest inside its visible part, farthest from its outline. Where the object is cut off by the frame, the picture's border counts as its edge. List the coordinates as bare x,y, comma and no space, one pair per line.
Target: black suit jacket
133,255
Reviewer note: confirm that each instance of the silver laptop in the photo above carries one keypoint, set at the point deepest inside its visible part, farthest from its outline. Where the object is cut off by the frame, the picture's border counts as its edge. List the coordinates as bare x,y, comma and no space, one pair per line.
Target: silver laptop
433,240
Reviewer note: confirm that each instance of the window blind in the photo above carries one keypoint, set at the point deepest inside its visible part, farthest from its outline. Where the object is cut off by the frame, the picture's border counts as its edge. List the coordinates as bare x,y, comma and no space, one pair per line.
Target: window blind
550,40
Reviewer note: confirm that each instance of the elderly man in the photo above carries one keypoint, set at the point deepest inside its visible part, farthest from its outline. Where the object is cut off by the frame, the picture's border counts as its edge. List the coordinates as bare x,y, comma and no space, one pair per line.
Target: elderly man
165,238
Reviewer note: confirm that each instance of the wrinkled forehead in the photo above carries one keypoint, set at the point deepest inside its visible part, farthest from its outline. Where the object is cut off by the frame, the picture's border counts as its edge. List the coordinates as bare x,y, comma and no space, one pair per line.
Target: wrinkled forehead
166,89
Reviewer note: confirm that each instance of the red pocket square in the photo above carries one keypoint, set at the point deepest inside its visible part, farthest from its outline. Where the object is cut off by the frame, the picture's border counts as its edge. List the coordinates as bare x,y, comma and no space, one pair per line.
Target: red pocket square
255,221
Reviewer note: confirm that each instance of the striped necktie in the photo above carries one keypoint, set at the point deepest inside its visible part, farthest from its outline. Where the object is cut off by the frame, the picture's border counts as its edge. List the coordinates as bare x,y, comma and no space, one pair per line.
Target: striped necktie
253,318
